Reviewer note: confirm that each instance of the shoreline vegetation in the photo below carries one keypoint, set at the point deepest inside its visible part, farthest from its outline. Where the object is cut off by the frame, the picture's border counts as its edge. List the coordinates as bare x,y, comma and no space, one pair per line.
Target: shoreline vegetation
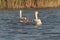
28,4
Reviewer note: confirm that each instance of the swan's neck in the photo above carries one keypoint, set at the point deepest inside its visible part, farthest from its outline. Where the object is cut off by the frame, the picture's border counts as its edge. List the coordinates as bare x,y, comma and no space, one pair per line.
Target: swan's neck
36,16
20,13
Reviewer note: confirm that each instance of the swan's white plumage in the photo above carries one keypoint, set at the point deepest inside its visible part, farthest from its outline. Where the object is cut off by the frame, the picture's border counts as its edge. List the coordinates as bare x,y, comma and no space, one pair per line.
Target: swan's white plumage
20,13
37,21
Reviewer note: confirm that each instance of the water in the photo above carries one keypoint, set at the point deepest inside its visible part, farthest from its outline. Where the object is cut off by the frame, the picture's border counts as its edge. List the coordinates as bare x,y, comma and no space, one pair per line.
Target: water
11,29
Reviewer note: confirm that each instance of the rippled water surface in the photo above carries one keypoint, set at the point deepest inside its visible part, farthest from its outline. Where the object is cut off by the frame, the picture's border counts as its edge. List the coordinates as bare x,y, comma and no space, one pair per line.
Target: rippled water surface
11,29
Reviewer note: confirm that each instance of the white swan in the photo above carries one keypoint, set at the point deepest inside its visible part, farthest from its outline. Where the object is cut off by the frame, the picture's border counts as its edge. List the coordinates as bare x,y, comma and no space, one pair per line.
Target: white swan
37,21
23,19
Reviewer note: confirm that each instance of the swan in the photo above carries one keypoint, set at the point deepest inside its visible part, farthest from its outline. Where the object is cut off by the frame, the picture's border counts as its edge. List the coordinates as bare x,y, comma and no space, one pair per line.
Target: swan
23,19
37,21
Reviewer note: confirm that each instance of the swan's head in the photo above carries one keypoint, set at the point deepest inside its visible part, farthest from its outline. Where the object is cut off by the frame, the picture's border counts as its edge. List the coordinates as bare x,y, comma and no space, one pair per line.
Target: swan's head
20,11
36,12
